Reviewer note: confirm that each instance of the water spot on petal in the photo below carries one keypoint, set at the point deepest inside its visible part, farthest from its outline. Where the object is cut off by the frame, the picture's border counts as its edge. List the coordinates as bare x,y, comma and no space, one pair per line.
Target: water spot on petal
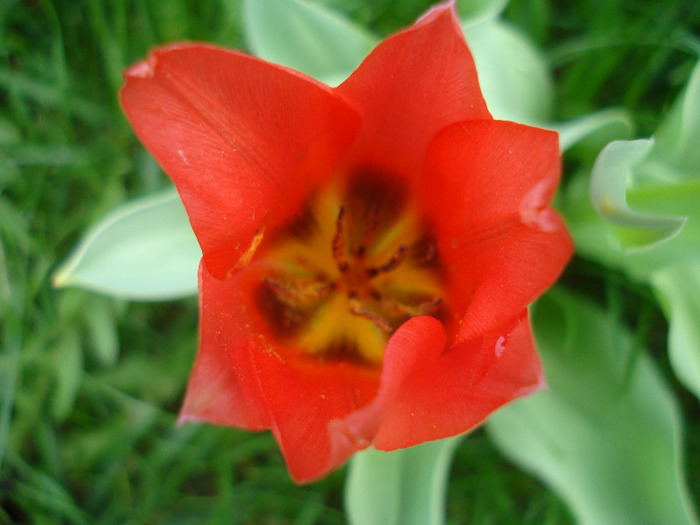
546,220
501,345
537,197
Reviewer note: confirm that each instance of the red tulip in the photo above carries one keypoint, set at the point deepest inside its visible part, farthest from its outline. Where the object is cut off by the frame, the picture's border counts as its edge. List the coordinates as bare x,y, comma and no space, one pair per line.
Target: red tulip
369,250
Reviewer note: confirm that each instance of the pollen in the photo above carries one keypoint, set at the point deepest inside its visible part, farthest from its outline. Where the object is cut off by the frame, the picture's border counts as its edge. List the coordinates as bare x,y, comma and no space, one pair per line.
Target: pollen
352,266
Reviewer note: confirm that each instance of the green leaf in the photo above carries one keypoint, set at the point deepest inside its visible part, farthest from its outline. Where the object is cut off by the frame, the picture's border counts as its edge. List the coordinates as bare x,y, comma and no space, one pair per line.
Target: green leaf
9,371
103,332
144,250
513,74
671,269
663,182
597,128
606,436
644,174
69,372
306,37
594,239
678,288
40,490
676,154
634,230
403,487
475,11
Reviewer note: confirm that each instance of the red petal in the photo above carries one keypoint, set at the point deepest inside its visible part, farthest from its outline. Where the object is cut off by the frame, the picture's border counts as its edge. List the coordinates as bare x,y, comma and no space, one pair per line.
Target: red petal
417,341
500,244
304,396
223,388
410,86
509,269
452,394
489,170
240,138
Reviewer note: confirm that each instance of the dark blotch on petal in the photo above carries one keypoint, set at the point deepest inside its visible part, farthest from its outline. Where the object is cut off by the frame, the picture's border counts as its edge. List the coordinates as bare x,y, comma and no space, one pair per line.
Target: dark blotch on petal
345,351
370,196
302,226
283,319
424,253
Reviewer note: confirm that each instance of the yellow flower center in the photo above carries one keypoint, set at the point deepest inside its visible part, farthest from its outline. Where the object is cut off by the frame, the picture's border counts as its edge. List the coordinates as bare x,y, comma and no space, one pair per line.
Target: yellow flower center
353,266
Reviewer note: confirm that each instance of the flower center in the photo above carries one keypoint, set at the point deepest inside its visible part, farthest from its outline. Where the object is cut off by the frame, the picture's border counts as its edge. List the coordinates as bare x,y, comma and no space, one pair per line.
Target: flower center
352,267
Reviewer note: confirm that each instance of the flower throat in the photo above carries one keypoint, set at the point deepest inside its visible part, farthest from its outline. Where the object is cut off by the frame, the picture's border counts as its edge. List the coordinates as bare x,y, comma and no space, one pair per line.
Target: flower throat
346,272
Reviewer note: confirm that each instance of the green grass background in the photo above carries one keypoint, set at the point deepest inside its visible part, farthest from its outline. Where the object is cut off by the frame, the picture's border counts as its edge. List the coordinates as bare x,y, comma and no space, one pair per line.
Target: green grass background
90,387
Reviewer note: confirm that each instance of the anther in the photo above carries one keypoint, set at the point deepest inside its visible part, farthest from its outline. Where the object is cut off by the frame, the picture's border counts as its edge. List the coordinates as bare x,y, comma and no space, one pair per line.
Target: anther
391,264
299,292
339,243
401,308
357,308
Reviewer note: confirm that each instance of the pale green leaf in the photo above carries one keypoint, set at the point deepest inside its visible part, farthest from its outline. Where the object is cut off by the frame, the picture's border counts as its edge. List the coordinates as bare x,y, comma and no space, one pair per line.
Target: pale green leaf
670,269
678,287
475,11
606,436
513,74
594,240
676,154
634,230
597,128
403,487
306,37
144,250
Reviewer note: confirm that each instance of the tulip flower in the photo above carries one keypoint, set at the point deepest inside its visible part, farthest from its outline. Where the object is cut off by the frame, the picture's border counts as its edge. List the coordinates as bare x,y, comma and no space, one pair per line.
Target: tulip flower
369,250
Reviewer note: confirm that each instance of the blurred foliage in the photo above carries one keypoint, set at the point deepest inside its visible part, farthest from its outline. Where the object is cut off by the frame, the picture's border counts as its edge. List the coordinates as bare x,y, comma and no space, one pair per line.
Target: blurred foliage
90,387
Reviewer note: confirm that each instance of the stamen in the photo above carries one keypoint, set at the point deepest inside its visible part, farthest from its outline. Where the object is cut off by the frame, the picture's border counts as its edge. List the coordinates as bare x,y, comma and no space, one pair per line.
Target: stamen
370,231
401,308
391,264
383,268
339,243
357,308
300,292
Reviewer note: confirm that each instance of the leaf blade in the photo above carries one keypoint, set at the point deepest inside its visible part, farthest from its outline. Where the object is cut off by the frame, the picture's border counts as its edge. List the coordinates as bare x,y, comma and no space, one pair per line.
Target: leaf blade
326,46
634,230
143,250
403,487
513,74
606,436
678,287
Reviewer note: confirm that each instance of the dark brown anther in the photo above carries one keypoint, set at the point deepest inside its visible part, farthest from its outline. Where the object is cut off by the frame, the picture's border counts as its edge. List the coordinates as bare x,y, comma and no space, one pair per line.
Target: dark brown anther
339,243
357,308
409,310
391,264
299,292
427,307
